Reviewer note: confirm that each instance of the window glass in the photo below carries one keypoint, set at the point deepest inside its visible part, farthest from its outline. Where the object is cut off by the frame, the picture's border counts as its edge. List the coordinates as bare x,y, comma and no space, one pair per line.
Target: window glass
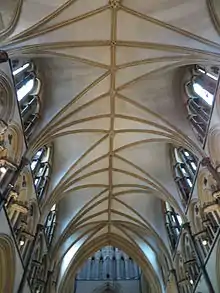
173,225
200,89
26,83
185,166
33,165
20,69
41,170
25,89
204,94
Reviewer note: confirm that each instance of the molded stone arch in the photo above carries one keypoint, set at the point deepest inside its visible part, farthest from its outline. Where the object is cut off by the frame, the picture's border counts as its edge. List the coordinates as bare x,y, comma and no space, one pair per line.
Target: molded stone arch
7,264
91,247
7,100
10,11
214,9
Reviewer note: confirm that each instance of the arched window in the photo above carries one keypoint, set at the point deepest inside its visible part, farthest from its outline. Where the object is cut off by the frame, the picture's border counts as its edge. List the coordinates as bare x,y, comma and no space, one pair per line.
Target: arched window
40,167
27,87
185,167
101,262
200,91
190,262
182,277
50,224
173,225
109,263
41,276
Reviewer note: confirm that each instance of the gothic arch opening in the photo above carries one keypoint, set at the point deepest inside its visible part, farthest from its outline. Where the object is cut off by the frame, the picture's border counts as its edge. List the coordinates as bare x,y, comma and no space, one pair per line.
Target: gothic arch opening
144,267
7,264
7,102
109,263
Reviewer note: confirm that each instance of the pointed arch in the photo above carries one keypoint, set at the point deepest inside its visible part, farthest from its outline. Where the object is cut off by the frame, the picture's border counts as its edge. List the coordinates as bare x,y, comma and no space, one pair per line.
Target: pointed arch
7,264
7,101
89,248
200,96
10,12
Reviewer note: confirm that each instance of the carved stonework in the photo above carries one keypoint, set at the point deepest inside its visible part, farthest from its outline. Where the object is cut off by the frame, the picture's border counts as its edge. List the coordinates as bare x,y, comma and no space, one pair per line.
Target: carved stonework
211,208
7,164
216,194
114,3
207,187
20,207
27,235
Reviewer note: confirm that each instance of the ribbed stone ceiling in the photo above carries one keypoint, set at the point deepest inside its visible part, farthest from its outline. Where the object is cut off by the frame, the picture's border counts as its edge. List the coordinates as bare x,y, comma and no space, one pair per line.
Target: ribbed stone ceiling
112,106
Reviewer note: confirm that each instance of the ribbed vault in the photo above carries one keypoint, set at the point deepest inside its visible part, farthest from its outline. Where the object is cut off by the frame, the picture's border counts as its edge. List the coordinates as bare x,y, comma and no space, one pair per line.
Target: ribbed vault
112,107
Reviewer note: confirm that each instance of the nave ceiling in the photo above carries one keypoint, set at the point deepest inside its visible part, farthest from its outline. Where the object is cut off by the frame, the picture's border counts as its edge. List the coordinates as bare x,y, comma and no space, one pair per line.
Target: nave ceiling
112,106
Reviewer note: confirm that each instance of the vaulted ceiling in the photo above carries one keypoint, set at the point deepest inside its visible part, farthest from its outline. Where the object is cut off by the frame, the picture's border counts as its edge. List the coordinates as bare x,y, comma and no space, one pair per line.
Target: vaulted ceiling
112,105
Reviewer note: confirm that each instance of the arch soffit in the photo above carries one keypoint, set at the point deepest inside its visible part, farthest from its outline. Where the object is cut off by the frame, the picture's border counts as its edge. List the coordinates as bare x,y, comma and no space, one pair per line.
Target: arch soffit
7,263
6,98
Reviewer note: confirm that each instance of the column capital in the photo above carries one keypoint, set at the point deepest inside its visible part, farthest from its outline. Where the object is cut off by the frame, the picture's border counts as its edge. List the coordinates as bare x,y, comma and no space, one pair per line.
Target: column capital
3,56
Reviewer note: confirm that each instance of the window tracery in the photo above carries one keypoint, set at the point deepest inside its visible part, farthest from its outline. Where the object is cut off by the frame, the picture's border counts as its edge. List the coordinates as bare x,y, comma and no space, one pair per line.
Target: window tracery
40,166
38,270
21,211
183,282
50,224
190,262
109,263
173,225
27,86
200,228
209,210
185,168
200,90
